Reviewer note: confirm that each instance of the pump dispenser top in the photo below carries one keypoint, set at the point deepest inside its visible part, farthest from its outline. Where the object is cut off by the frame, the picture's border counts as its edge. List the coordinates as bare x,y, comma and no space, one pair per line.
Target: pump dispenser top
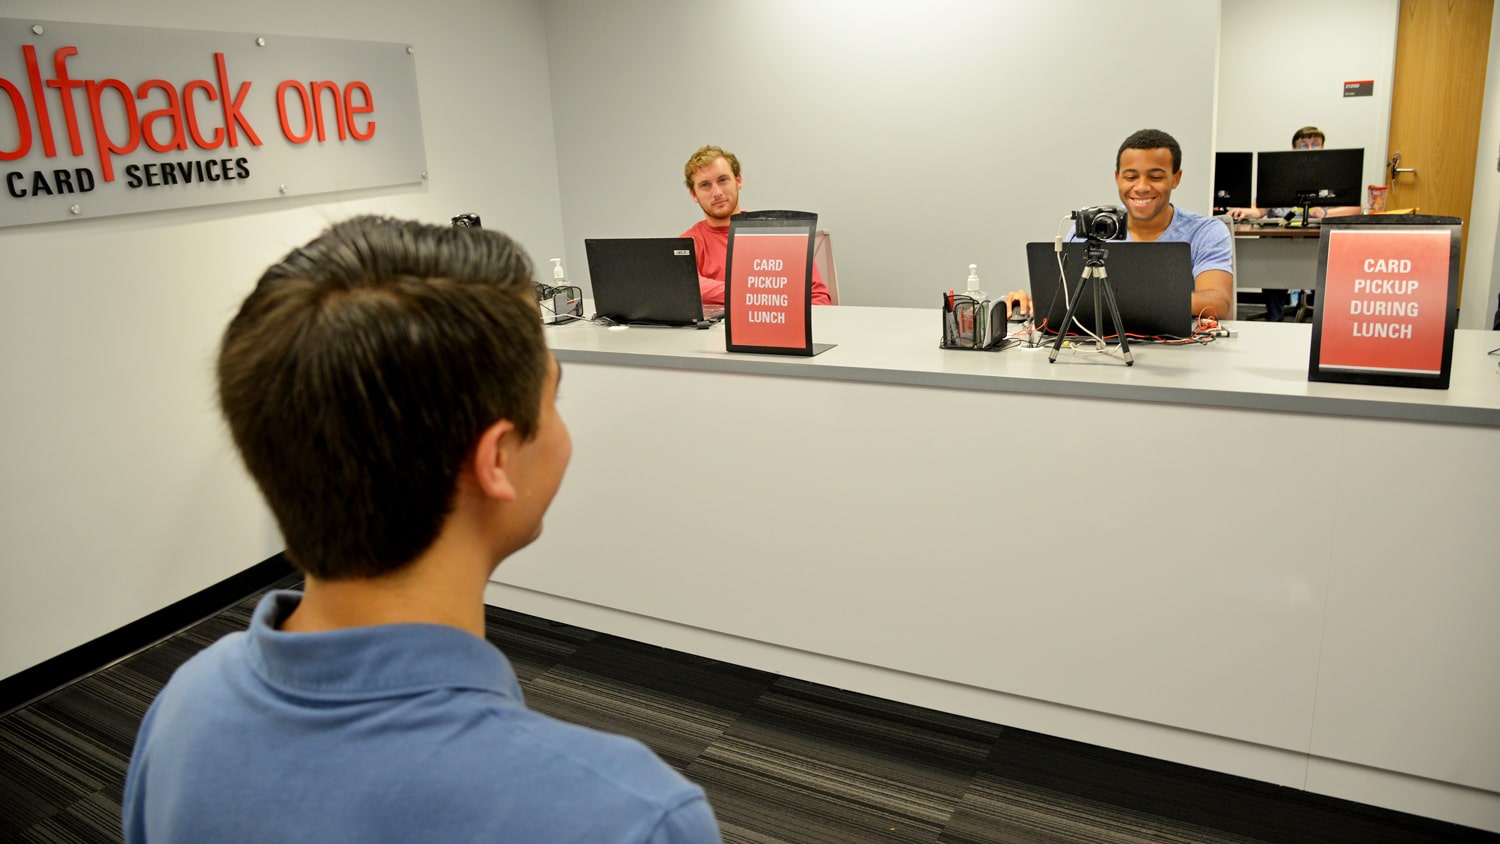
557,270
973,290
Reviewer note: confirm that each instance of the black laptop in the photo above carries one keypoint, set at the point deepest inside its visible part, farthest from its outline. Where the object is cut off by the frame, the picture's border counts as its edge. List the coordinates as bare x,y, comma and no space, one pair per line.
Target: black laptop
646,280
1153,284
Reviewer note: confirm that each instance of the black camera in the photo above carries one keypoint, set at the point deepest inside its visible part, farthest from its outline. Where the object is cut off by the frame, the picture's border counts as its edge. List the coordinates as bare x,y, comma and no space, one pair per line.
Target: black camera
466,221
1102,222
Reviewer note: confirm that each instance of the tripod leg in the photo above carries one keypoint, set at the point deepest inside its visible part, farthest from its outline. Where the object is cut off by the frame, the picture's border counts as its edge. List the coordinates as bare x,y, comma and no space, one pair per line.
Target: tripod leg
1062,329
1099,335
1114,313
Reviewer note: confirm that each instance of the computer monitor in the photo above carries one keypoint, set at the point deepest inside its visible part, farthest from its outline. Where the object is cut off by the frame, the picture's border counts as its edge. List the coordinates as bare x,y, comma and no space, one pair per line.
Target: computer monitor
1304,178
1232,180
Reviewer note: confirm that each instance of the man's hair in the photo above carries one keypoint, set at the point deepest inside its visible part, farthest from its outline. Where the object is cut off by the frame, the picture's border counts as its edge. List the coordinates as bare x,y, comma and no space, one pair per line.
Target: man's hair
704,157
358,375
1309,132
1151,139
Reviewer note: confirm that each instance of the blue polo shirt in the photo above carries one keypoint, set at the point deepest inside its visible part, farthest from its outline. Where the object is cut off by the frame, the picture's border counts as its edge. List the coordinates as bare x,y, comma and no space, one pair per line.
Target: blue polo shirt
1208,240
403,732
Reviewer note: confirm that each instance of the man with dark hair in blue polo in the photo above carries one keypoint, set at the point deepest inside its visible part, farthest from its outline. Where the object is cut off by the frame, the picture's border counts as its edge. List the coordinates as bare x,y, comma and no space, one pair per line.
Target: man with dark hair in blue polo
389,388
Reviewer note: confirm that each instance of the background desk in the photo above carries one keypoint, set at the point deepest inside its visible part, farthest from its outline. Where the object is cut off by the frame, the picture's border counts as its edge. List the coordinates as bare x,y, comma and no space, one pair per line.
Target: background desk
1283,232
1276,257
887,517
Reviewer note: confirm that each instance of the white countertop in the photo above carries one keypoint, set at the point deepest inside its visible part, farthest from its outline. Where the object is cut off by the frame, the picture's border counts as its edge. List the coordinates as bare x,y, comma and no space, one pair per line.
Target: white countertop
1264,367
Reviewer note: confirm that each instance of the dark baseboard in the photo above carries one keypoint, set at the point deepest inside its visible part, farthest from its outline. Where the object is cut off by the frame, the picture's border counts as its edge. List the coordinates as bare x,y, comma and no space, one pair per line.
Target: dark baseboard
25,687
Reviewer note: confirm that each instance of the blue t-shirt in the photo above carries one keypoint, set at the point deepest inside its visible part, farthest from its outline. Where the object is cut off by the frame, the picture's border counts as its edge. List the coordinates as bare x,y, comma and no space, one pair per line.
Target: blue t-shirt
402,732
1208,240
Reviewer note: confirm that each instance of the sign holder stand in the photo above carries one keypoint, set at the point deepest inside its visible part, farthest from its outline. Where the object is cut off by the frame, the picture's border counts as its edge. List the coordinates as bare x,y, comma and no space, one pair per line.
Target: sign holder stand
768,284
1387,300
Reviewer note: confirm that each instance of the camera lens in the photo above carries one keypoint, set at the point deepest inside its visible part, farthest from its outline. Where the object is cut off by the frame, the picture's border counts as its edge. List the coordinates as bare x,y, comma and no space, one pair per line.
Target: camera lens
1105,227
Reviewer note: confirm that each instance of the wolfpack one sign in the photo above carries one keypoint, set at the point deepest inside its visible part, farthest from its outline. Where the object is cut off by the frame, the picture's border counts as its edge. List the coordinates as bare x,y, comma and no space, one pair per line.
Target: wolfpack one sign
100,120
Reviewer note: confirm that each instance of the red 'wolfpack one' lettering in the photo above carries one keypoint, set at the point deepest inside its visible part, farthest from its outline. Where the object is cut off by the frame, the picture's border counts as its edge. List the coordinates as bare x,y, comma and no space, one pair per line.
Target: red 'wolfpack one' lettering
180,119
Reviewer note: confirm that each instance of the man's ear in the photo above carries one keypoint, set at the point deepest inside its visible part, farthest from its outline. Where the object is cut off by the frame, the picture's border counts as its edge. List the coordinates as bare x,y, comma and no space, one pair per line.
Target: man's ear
494,458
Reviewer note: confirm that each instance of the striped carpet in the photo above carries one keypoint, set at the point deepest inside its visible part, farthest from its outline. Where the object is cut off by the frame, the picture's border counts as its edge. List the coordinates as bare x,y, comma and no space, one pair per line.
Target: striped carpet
782,760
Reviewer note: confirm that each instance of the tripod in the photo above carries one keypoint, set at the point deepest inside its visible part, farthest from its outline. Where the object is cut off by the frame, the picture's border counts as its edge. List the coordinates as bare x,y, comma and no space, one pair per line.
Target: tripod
1093,271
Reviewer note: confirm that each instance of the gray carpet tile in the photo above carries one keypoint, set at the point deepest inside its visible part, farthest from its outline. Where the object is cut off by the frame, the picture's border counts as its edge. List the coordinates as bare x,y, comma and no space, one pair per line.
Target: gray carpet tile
808,763
676,704
1002,811
681,675
676,730
895,726
533,645
93,818
40,748
1193,798
30,791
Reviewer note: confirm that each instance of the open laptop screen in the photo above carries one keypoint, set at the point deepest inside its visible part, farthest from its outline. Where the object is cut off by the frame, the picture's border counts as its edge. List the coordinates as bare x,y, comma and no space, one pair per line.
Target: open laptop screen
645,280
1153,284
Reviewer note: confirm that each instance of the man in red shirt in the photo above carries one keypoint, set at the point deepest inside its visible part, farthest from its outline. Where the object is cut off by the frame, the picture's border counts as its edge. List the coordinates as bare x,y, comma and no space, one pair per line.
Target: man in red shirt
713,181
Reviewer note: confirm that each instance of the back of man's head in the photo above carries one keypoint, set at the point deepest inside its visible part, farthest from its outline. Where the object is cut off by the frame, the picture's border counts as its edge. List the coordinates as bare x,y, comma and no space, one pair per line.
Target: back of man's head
705,156
1151,139
360,372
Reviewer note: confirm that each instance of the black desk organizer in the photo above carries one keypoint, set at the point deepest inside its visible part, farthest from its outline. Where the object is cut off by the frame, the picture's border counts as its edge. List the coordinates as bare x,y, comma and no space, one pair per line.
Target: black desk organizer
972,325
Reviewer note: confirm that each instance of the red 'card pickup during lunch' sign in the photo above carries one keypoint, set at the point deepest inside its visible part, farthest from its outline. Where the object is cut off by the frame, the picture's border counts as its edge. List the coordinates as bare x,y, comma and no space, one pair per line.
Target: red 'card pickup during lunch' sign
770,291
1383,310
768,284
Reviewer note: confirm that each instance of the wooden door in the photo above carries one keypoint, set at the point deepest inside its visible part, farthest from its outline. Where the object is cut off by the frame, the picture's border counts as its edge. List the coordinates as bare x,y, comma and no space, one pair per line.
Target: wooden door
1442,47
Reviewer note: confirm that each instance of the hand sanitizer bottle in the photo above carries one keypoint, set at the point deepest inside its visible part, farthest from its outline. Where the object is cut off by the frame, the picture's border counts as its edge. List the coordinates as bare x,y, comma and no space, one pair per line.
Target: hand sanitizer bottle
981,308
973,291
563,304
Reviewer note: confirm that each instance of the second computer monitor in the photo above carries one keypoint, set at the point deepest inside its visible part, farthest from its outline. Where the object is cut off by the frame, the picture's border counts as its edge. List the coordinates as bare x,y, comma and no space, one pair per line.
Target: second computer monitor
1293,178
1232,180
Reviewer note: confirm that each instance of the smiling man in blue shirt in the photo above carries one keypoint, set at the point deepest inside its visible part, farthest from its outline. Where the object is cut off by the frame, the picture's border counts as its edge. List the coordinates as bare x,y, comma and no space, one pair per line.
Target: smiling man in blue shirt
1148,167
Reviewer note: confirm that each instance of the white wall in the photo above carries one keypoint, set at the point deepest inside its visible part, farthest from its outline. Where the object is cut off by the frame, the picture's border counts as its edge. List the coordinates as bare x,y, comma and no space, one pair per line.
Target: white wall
1481,275
1283,65
119,492
927,136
